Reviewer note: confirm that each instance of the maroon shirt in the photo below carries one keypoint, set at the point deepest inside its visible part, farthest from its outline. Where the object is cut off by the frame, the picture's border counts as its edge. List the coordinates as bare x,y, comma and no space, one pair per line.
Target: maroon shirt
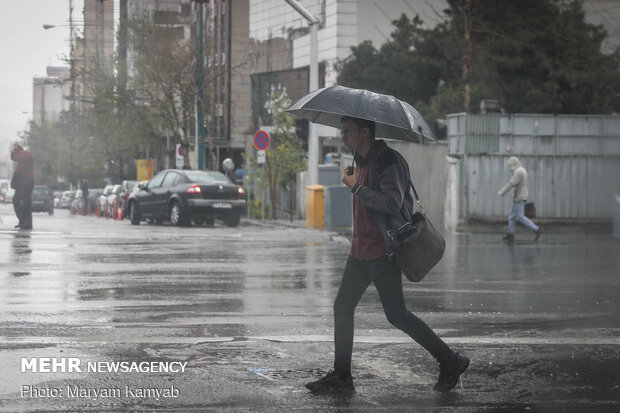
367,243
25,162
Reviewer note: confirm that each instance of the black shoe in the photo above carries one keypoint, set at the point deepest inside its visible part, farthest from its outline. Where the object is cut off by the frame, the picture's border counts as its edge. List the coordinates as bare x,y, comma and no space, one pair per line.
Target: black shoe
538,232
25,226
18,226
449,374
331,383
509,238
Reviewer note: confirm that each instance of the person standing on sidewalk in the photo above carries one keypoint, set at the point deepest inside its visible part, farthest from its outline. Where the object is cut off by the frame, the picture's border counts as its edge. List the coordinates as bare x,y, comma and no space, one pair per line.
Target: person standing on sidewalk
519,199
380,187
23,182
84,188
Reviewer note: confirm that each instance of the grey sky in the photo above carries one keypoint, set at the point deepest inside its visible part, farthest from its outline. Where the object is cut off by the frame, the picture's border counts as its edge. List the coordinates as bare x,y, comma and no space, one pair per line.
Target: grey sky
26,51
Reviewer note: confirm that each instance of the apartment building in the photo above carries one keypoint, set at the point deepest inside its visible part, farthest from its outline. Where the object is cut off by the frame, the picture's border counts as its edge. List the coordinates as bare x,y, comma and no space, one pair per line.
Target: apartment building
281,44
50,94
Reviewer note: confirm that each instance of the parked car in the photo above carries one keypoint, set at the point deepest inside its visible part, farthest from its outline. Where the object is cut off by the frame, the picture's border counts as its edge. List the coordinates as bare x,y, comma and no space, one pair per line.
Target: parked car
66,199
129,187
183,196
57,195
114,195
77,201
42,199
102,200
8,196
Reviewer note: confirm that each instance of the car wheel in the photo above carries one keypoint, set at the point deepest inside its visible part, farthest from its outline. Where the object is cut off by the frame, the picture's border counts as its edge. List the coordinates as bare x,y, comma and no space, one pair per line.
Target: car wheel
177,215
232,220
134,214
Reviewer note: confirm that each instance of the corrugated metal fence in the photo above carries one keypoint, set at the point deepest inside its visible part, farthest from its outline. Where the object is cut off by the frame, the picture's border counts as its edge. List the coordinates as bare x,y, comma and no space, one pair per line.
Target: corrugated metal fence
573,163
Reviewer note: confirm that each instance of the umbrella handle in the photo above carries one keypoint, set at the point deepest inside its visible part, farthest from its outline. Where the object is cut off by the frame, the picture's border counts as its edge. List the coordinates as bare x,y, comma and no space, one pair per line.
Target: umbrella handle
350,168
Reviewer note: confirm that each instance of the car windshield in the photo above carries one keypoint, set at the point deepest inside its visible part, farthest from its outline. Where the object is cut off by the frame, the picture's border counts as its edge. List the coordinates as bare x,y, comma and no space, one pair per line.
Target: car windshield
40,191
207,177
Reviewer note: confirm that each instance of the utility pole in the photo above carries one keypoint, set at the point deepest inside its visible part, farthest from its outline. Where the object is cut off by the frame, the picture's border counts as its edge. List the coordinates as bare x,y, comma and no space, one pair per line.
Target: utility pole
467,57
122,72
200,116
72,102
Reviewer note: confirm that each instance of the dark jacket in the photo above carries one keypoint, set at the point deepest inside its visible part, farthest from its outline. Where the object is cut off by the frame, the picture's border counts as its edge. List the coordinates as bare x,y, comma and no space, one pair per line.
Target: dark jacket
387,194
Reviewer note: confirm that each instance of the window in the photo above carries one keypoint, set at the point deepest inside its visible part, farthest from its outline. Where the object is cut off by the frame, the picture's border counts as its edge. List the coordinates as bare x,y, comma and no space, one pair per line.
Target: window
170,180
207,177
157,180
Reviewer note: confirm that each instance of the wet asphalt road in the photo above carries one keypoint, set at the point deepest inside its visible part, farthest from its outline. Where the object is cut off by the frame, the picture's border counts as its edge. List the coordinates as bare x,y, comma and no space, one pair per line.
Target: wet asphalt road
249,310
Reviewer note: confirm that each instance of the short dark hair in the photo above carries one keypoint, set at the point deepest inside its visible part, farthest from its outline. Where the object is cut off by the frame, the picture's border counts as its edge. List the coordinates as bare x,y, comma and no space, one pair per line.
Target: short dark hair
361,123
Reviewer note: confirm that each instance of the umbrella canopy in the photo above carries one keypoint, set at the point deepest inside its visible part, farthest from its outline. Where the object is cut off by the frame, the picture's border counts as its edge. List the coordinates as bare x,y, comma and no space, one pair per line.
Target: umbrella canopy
394,118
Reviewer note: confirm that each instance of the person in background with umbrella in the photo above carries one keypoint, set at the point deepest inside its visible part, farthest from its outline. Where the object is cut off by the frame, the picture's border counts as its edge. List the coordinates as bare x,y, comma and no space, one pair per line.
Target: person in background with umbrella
380,185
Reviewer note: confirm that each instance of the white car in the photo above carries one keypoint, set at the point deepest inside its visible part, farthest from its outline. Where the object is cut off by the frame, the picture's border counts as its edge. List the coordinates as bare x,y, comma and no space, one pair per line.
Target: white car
103,198
114,195
66,199
8,196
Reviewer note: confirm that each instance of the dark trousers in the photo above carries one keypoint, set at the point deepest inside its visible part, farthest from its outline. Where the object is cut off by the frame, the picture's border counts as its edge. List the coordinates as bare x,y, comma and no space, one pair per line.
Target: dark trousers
22,201
387,279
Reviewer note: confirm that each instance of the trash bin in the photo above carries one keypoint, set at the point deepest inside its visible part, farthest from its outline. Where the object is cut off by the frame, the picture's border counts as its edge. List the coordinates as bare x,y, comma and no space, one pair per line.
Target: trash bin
315,206
338,207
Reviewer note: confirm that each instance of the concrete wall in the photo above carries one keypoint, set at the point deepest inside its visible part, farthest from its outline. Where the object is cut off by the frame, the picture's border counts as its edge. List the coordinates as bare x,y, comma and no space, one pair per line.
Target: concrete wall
429,172
573,164
564,187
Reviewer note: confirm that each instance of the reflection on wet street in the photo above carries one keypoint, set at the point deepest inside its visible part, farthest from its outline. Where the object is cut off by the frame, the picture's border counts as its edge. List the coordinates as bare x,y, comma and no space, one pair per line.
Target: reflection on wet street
252,306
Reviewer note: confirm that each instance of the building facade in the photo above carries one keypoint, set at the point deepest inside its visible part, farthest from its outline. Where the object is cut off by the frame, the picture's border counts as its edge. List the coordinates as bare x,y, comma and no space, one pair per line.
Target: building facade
50,94
281,44
228,125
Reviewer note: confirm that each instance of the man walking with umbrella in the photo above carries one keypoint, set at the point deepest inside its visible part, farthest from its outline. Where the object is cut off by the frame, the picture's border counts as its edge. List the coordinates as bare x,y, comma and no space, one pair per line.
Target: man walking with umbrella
380,184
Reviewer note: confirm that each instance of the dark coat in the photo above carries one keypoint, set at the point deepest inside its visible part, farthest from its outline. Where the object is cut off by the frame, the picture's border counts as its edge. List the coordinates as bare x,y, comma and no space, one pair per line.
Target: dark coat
387,194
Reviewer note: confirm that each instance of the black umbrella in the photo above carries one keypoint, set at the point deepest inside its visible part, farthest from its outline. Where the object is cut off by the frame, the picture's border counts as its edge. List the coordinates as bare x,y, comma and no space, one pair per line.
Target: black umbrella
394,118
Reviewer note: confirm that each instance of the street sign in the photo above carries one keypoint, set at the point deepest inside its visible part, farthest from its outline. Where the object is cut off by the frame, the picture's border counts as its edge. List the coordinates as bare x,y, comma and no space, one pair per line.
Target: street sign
261,157
261,140
145,169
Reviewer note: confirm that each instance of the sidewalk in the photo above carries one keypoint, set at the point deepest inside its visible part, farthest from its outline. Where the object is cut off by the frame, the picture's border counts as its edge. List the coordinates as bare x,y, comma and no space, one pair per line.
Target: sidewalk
473,226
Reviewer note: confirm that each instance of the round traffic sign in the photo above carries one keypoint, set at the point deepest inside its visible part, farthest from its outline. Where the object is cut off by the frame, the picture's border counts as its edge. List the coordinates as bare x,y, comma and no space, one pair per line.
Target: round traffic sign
261,140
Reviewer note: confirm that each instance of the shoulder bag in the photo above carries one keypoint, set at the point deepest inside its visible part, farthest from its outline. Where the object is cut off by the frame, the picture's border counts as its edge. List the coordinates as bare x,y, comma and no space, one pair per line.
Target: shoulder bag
416,246
529,210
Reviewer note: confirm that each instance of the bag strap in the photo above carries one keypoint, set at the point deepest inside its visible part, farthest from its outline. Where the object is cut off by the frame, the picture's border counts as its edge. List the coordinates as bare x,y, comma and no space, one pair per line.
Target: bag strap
417,198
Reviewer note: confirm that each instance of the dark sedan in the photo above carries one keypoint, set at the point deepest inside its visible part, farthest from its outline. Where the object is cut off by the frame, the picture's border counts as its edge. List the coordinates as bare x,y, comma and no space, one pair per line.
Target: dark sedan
42,199
183,196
